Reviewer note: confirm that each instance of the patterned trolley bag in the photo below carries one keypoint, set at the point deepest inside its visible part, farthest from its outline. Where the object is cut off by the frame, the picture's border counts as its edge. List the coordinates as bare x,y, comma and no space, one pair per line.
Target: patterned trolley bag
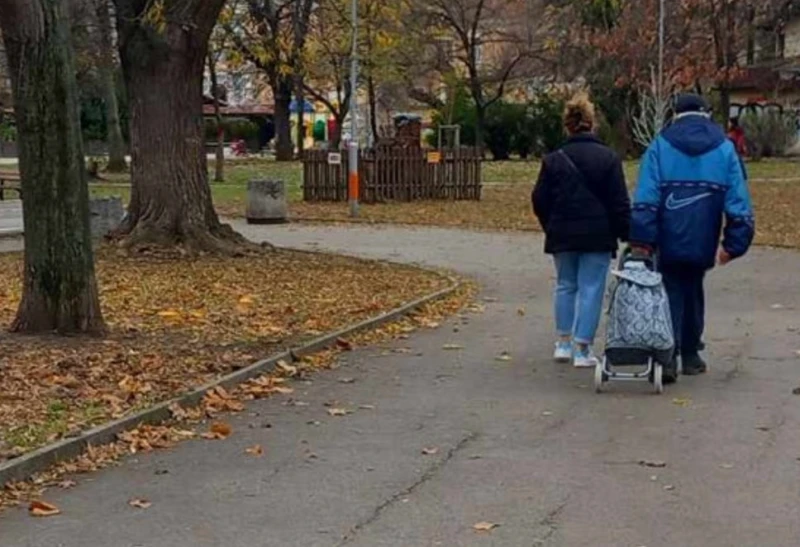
639,323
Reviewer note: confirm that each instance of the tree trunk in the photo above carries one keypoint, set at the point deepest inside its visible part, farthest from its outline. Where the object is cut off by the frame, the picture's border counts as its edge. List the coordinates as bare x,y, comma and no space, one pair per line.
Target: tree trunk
59,285
219,159
170,196
373,107
336,140
301,115
282,91
108,71
480,125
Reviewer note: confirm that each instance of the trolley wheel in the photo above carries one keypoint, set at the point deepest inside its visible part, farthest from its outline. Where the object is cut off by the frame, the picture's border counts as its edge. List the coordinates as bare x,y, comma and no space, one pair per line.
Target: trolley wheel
600,377
658,378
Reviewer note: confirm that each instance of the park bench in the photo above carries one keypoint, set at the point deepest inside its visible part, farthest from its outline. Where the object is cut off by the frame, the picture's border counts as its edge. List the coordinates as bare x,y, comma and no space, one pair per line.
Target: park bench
9,180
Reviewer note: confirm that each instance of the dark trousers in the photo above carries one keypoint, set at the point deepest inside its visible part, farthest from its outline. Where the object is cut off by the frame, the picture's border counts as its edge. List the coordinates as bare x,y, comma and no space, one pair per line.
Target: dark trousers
687,304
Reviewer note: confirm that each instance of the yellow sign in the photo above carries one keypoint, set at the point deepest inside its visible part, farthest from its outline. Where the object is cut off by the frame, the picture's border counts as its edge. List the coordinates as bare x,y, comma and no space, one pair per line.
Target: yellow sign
434,157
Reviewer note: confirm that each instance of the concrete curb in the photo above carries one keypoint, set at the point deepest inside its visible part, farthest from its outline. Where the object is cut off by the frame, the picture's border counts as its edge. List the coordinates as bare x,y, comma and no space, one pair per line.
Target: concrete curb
22,468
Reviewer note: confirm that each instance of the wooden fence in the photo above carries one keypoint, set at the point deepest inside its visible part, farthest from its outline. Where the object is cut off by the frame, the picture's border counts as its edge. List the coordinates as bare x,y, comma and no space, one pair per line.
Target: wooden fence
394,174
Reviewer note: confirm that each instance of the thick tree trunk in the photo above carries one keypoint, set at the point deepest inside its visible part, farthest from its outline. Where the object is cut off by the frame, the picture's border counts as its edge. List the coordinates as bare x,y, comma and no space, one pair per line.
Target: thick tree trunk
282,92
219,159
59,286
170,196
108,72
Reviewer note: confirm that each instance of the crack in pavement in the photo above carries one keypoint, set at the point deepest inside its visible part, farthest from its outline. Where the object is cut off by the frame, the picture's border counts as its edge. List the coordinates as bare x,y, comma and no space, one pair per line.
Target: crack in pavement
551,522
397,496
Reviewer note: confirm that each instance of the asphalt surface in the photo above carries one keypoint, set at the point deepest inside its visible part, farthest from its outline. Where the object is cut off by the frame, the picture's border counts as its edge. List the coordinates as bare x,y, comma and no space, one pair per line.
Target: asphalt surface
525,444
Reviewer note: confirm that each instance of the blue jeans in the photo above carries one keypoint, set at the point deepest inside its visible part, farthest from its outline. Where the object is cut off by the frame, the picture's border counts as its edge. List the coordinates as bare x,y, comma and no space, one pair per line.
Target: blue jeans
579,294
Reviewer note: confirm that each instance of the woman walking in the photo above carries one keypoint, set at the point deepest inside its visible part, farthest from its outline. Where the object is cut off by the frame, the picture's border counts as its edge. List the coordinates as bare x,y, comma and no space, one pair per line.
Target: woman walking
582,204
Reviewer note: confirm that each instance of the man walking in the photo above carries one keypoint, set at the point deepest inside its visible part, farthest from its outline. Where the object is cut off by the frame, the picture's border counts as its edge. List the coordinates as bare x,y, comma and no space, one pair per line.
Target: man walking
690,178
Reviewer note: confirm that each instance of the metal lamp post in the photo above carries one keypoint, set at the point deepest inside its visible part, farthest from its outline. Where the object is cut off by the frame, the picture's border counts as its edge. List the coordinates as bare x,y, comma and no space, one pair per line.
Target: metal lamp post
353,179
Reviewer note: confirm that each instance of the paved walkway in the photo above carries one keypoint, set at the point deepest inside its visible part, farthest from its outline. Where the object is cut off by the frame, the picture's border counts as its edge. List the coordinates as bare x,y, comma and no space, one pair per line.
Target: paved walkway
525,444
10,217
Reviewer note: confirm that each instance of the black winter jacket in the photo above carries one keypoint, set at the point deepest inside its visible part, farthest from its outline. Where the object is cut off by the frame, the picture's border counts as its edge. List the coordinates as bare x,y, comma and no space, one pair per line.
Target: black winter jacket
587,210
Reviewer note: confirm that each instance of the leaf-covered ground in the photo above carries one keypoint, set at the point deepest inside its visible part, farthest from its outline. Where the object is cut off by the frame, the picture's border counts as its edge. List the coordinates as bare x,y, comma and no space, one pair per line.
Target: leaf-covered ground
206,421
175,325
507,207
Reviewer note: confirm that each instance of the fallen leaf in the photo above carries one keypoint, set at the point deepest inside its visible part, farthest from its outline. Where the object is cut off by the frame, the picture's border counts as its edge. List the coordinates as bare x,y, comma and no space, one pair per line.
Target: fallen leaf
430,451
140,503
338,412
344,345
218,431
485,526
169,314
656,464
246,300
547,413
287,369
727,466
682,402
521,312
347,380
65,484
452,347
254,450
40,508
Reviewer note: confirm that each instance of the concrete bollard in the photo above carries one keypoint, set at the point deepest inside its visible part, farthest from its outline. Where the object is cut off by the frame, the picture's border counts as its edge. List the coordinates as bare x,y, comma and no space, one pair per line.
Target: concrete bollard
266,202
105,215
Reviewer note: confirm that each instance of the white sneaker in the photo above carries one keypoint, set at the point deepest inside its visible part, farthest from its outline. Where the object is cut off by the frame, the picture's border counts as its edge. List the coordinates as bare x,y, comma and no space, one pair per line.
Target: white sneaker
584,358
563,353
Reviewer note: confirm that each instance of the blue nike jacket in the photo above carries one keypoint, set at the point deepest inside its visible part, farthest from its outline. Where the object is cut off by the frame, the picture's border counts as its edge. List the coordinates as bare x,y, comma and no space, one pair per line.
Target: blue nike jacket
690,178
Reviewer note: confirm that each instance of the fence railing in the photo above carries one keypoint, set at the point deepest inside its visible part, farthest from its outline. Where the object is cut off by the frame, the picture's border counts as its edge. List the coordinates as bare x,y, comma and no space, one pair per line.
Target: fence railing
395,174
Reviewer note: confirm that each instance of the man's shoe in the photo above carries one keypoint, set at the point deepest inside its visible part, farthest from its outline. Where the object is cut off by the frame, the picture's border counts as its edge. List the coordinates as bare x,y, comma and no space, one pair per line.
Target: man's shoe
693,365
670,375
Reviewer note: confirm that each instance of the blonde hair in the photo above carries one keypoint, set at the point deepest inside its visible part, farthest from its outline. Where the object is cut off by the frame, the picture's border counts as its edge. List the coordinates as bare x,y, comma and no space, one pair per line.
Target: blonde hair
579,114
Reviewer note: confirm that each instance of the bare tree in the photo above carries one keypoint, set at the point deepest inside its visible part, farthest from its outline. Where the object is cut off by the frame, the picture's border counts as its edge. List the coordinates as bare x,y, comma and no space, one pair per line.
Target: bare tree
490,43
271,35
59,286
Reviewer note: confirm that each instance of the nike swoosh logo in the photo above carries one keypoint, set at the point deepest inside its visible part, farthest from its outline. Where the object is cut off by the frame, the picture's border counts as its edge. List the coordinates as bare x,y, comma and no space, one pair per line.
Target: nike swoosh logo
673,203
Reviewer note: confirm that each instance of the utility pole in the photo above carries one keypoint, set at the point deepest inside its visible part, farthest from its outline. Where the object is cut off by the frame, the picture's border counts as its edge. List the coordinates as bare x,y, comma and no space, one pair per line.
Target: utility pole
353,182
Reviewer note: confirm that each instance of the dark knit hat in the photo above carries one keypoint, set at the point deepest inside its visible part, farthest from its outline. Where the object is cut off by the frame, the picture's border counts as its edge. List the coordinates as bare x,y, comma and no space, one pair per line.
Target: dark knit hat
690,102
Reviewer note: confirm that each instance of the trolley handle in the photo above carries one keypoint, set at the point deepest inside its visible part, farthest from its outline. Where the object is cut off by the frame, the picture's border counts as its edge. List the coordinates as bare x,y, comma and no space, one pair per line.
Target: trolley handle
650,261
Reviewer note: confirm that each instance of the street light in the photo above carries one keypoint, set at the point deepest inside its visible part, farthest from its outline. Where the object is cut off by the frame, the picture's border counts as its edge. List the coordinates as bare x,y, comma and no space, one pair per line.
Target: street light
353,182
